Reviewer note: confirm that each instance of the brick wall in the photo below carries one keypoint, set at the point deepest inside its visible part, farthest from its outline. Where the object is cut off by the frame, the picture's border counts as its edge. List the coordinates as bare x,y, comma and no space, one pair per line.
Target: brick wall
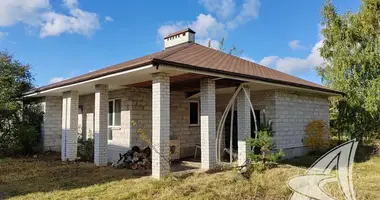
51,130
293,112
289,111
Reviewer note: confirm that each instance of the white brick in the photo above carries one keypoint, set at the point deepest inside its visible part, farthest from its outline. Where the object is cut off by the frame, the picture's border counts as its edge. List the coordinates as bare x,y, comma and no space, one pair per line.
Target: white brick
244,124
160,124
51,131
70,101
208,124
101,125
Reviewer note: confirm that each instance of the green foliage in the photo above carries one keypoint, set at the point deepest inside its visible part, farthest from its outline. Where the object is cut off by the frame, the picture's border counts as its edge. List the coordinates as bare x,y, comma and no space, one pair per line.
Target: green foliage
20,124
86,149
317,137
351,48
266,125
267,149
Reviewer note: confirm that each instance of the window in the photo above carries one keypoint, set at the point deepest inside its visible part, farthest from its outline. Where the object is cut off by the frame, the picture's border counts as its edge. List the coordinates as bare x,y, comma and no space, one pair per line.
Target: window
114,110
194,113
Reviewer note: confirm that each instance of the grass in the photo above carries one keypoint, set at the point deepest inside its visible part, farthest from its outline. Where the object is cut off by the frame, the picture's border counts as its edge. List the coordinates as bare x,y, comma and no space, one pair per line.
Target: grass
47,178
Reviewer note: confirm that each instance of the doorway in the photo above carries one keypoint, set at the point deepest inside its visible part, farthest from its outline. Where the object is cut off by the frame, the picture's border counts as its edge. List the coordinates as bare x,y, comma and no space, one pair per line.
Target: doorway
227,128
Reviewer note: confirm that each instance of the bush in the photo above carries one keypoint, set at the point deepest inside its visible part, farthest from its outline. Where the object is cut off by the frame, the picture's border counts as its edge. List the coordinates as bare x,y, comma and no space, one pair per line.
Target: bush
21,133
20,124
86,149
267,155
317,138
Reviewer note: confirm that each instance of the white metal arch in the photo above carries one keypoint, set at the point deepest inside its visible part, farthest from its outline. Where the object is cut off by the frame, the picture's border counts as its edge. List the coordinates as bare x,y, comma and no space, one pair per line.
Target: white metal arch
231,104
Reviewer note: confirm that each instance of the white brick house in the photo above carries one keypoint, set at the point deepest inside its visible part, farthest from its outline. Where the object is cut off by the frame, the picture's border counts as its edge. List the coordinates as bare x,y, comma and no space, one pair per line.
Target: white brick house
177,96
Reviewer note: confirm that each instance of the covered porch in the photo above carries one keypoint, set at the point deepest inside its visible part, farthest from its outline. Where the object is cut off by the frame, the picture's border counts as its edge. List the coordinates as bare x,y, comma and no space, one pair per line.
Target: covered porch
173,107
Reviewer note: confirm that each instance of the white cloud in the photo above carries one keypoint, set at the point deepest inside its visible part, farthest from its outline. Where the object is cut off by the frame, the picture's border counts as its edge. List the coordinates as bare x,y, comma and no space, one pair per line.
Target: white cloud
298,64
108,19
71,3
295,45
223,8
206,28
213,43
165,30
268,61
40,14
3,35
294,64
248,58
80,22
56,80
25,11
249,11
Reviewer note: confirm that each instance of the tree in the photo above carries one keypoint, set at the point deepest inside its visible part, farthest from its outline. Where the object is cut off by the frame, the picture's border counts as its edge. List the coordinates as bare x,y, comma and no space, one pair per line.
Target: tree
19,123
351,49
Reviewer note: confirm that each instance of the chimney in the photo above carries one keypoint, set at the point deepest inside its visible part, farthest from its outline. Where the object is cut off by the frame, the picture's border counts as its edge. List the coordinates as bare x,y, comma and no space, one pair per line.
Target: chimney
183,36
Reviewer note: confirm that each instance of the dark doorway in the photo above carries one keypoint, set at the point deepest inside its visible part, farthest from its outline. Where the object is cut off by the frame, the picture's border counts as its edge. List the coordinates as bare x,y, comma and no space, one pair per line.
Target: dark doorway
227,128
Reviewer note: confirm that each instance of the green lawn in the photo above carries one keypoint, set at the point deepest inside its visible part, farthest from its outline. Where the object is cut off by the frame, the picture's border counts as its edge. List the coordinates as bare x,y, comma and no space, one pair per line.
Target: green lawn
48,178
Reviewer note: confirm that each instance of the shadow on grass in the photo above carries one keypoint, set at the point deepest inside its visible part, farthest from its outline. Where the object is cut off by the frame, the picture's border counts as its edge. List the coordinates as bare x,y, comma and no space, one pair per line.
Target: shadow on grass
363,154
20,176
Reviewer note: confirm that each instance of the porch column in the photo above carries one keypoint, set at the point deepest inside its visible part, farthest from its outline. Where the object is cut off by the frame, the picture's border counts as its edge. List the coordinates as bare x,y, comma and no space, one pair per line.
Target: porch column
160,124
244,124
208,124
101,125
70,103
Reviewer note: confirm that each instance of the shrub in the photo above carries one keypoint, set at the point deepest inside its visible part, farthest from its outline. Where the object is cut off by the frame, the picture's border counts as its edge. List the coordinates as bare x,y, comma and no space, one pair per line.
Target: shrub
86,149
21,132
268,154
317,137
20,124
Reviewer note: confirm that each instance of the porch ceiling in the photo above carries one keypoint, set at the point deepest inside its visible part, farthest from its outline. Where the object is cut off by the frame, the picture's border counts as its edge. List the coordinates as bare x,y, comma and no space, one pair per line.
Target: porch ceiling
190,83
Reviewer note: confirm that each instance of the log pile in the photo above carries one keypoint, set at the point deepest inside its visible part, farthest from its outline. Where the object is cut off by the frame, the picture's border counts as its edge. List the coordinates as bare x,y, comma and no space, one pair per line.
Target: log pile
134,159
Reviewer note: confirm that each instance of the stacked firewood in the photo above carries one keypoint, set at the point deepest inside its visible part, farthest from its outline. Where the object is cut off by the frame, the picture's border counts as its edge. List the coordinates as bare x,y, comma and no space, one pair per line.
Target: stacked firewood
134,159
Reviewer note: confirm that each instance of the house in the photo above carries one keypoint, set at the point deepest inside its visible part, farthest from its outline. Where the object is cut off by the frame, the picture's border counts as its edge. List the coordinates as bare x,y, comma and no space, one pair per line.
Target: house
177,96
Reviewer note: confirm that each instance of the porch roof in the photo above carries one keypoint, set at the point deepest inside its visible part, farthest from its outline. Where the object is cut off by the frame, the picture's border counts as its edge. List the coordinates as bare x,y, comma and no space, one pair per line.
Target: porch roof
197,57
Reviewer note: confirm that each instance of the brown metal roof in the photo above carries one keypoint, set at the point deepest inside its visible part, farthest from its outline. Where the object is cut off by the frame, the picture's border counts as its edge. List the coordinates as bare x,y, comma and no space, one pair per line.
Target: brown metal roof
195,56
180,32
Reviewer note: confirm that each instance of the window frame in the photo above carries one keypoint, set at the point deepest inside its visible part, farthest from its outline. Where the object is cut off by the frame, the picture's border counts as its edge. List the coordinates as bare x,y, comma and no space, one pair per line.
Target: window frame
113,113
199,114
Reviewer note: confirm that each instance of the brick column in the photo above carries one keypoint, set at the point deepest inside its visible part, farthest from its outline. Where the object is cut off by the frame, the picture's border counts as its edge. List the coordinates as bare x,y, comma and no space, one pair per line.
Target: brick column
244,124
208,124
160,124
70,103
101,125
51,132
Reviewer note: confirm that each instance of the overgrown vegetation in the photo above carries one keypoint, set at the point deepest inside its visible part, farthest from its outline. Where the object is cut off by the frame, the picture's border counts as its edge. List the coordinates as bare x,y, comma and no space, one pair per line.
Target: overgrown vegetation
268,155
49,178
317,137
86,149
264,154
20,124
351,48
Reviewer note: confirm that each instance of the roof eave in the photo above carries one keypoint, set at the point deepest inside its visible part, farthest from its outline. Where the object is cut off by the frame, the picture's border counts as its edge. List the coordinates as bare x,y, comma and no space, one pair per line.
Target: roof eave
186,66
67,83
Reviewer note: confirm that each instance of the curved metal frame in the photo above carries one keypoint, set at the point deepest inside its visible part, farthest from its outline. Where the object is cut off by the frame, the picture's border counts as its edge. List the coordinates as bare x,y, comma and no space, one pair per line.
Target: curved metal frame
222,121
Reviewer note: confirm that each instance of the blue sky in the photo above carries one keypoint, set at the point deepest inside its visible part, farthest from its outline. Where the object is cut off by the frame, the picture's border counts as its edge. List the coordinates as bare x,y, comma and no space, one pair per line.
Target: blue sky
65,38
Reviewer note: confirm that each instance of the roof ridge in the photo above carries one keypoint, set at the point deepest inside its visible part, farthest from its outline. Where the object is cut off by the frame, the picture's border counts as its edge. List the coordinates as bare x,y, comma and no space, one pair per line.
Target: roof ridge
174,52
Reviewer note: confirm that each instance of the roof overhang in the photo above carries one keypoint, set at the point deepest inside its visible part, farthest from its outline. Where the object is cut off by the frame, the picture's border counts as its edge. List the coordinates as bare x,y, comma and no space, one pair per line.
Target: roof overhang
246,78
143,73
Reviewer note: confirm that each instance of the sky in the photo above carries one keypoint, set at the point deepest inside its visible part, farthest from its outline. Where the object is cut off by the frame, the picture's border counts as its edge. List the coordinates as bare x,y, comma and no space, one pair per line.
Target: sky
61,39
